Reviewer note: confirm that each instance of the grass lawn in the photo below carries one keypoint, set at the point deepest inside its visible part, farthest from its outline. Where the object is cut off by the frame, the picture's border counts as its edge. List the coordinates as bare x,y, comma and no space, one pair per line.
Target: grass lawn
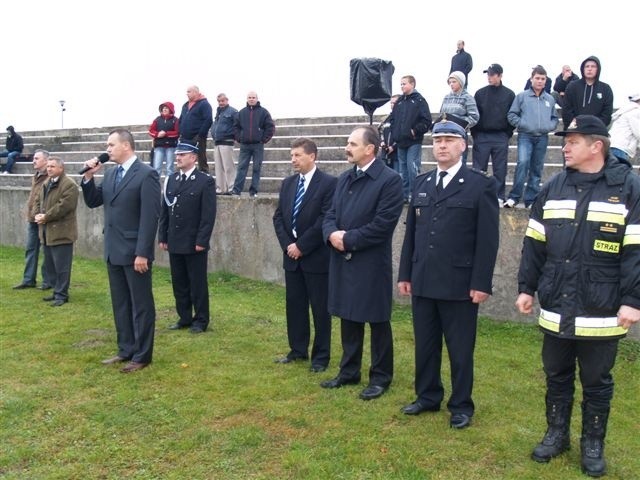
215,406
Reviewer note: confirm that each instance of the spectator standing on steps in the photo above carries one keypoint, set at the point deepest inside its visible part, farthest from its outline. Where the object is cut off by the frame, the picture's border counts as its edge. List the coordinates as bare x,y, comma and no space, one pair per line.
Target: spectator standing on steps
223,140
253,128
492,132
533,113
195,121
14,147
462,62
588,95
165,132
560,85
460,104
411,119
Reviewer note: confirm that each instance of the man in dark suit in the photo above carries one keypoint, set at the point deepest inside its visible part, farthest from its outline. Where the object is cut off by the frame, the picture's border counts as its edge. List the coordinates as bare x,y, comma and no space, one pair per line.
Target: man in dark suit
359,227
303,202
186,222
130,194
448,255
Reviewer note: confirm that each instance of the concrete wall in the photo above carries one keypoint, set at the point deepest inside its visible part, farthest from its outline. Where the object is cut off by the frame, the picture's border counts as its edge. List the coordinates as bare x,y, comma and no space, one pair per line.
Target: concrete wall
244,243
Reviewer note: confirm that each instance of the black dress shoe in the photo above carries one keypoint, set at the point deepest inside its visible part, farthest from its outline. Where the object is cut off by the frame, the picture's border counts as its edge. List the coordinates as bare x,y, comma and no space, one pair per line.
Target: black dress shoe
50,298
460,420
339,382
45,287
318,368
196,330
372,392
178,326
22,286
289,359
58,303
417,407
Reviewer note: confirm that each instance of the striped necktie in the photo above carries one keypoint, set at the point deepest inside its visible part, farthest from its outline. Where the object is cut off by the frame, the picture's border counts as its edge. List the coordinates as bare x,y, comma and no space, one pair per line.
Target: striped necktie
296,204
119,175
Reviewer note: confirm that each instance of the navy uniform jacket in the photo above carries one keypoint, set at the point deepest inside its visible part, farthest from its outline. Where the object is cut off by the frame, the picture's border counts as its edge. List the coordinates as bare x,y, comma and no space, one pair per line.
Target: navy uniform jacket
315,204
130,212
451,240
368,209
189,221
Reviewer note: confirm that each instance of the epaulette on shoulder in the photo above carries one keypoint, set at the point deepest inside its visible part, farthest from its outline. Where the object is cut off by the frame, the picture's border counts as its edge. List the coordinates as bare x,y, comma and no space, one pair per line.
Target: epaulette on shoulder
430,172
480,172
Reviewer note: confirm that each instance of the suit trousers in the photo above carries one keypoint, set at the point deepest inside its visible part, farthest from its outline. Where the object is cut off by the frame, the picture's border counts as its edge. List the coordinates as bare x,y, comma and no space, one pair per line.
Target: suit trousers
57,263
457,321
134,311
304,289
381,371
223,157
190,288
596,359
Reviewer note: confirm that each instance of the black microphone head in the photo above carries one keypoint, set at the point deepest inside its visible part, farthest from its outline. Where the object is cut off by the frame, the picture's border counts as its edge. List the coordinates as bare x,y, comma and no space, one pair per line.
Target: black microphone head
103,158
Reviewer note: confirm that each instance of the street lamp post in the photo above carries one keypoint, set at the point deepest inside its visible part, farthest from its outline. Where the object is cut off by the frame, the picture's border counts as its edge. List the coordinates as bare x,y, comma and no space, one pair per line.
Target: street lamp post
62,110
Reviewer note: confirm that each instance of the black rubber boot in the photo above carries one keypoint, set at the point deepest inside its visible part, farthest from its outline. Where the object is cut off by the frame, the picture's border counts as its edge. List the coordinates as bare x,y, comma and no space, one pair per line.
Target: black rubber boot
594,429
557,439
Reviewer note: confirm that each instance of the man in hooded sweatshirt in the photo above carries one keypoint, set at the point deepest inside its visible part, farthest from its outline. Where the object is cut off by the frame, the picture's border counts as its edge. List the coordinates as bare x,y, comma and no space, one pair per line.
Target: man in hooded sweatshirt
195,121
588,96
165,132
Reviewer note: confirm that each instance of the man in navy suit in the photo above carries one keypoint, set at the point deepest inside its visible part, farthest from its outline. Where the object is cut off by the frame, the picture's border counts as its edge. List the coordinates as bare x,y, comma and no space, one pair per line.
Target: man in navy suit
130,195
359,227
448,255
304,200
186,223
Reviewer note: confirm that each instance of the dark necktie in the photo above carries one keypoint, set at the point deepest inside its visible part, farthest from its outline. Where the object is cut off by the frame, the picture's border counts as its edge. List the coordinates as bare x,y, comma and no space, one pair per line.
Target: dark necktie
119,175
183,177
440,184
359,173
297,202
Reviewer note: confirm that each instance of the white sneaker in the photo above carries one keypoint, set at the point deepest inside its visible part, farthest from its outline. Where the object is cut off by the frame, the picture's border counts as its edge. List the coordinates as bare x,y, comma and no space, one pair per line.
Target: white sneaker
500,203
510,203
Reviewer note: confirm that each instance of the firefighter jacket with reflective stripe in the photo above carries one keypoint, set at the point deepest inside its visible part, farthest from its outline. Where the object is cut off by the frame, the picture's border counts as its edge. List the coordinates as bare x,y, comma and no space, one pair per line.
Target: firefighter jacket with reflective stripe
581,251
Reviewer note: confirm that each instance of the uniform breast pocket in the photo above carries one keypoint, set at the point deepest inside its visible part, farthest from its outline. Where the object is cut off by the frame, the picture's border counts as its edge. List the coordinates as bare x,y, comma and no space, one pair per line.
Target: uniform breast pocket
462,211
421,206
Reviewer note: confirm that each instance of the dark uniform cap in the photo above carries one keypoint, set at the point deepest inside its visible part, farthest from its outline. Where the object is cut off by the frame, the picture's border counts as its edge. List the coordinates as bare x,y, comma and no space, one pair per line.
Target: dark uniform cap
186,147
586,125
447,128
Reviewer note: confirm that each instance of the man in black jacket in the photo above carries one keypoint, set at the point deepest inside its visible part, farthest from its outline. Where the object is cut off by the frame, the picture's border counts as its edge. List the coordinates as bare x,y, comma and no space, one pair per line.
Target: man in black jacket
253,128
411,119
588,96
462,62
492,132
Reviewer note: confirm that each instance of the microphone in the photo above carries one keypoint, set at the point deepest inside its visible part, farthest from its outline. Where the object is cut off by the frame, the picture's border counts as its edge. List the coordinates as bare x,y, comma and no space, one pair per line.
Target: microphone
103,158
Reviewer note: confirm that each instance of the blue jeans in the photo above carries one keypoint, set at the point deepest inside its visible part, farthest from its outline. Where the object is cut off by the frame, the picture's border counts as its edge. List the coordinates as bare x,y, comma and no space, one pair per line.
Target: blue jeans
31,255
531,152
11,159
164,154
247,152
409,159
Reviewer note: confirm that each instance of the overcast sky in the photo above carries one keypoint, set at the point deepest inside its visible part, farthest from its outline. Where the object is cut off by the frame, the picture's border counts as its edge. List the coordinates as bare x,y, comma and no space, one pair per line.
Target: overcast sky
114,62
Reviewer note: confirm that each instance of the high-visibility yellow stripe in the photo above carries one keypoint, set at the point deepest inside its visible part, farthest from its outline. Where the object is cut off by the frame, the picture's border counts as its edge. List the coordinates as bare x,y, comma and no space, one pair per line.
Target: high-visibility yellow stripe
549,320
607,212
631,235
598,327
536,230
559,209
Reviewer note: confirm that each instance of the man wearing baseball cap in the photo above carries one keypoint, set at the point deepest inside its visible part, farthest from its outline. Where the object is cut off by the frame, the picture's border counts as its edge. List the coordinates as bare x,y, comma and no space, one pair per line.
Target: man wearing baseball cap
493,131
186,222
581,254
448,255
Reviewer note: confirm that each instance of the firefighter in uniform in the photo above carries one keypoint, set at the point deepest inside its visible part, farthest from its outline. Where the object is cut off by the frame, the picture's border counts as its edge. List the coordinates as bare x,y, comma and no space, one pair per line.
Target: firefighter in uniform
581,254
